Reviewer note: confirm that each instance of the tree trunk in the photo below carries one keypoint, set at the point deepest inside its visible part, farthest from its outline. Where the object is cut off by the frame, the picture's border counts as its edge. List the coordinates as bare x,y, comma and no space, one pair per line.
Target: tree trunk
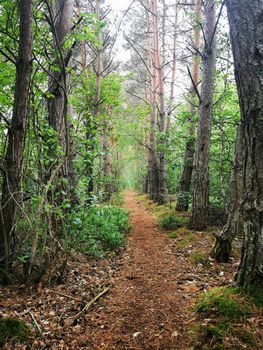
160,79
13,161
186,176
234,226
152,155
200,210
57,103
246,28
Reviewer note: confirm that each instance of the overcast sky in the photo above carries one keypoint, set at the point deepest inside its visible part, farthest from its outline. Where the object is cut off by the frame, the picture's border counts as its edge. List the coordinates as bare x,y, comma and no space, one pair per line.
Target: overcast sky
119,4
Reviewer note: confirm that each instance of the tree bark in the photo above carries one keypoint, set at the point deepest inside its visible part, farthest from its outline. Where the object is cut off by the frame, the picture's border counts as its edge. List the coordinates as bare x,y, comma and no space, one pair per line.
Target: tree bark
13,161
188,164
246,32
200,209
234,226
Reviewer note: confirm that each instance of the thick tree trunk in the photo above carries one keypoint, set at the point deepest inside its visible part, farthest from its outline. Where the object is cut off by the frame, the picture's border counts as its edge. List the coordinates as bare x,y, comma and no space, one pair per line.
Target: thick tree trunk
200,210
246,32
234,226
13,161
186,176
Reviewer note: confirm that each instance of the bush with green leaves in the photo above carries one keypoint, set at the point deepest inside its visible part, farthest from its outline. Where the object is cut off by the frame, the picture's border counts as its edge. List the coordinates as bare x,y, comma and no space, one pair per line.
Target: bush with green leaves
98,229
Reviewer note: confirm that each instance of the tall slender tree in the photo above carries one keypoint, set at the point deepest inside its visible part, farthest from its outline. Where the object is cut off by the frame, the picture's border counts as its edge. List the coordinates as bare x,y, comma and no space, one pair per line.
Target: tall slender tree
200,211
186,175
14,156
159,71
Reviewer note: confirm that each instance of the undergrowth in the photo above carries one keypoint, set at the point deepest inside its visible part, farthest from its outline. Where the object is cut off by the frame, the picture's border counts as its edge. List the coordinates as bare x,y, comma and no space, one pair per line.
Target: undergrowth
98,230
172,222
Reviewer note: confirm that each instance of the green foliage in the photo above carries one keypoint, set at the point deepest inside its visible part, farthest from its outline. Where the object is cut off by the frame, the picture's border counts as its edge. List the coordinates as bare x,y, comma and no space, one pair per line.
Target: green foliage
171,222
98,229
13,328
224,301
173,235
117,199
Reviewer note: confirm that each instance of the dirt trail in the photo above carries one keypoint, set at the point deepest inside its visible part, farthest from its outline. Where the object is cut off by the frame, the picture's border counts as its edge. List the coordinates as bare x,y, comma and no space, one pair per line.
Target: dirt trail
144,310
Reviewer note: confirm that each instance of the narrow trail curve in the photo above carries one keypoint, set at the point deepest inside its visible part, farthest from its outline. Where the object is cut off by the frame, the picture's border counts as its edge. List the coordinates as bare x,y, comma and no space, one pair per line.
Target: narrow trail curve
144,310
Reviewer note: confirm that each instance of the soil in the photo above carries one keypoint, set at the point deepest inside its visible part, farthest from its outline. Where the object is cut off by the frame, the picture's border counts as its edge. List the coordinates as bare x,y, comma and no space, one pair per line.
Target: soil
151,288
144,310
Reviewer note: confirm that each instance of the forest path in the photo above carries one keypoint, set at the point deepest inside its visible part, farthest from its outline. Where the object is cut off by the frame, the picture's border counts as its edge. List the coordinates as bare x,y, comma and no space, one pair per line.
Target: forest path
144,310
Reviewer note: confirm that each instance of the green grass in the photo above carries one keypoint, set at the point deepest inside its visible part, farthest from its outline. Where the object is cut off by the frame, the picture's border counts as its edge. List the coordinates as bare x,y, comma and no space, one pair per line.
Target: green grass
15,329
199,257
188,237
224,301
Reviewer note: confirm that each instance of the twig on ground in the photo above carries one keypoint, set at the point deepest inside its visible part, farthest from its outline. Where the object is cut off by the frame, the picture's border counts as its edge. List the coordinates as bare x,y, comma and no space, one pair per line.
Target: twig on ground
36,324
90,303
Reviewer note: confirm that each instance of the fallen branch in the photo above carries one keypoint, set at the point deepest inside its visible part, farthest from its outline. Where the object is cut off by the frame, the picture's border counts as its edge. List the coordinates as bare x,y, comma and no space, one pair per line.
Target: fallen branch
90,303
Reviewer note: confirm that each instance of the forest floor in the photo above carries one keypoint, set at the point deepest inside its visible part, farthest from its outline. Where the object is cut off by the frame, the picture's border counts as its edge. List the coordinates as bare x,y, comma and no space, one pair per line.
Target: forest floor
147,292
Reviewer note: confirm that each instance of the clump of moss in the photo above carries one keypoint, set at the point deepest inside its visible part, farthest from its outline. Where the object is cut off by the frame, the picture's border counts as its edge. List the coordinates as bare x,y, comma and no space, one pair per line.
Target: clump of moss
198,257
13,328
222,320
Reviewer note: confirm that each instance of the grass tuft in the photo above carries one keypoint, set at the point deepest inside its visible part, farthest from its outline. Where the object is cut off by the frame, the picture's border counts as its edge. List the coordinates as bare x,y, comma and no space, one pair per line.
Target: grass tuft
224,301
13,328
